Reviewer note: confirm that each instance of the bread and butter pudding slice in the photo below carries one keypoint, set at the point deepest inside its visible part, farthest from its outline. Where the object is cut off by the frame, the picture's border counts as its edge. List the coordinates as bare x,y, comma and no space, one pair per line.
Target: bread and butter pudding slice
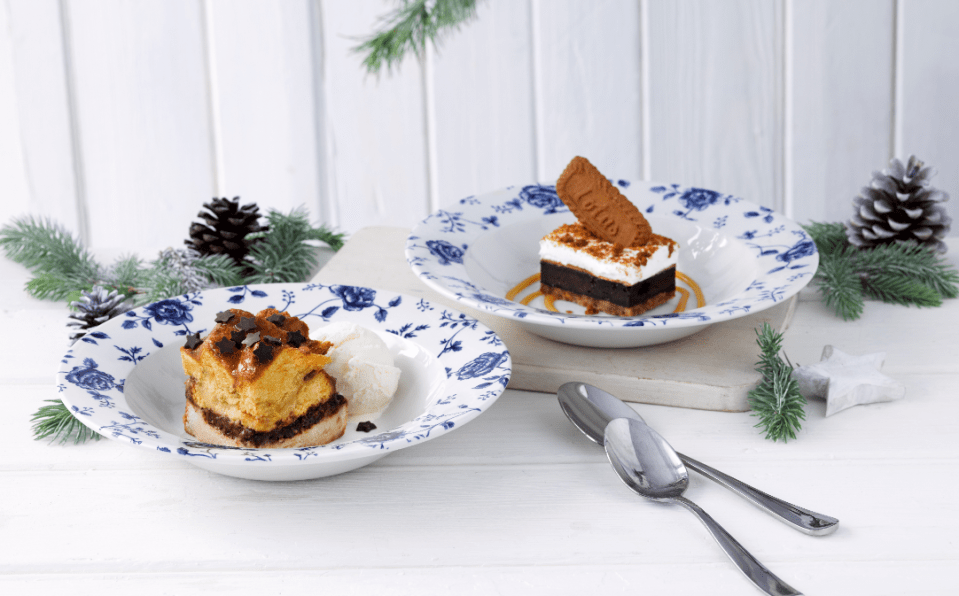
609,260
259,381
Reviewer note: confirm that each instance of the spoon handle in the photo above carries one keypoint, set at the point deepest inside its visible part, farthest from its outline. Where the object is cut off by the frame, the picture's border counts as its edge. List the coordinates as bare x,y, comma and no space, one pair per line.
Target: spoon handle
763,578
809,522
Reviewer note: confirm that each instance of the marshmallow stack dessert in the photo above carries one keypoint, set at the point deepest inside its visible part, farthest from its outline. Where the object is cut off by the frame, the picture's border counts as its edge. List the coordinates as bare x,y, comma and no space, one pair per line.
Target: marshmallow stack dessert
610,260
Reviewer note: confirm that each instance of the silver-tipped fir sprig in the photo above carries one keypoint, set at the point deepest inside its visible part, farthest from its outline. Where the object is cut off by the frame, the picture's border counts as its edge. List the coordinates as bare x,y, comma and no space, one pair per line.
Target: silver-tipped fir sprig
180,271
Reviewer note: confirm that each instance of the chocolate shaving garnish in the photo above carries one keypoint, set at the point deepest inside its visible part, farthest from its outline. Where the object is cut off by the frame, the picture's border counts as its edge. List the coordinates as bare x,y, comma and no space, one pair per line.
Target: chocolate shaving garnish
237,336
276,341
263,352
224,316
365,427
246,324
295,338
192,341
252,338
276,319
226,346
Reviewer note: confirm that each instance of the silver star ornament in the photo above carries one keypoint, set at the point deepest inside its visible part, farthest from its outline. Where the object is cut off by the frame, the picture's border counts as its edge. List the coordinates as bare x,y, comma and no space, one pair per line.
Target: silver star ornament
846,381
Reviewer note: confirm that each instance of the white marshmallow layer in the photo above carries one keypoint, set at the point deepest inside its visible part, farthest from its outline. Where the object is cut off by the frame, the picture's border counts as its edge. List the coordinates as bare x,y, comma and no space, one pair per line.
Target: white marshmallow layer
620,270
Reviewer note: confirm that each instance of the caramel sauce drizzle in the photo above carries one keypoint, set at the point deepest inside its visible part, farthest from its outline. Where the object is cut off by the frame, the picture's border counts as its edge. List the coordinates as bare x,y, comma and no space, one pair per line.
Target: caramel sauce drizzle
700,298
683,299
550,301
512,294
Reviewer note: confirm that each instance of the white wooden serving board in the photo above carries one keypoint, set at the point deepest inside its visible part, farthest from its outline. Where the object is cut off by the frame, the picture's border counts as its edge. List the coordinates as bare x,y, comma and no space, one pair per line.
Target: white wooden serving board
711,370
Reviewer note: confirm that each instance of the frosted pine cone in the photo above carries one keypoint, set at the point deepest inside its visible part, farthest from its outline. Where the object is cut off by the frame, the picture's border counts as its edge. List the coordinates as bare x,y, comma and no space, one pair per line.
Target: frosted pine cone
899,205
93,308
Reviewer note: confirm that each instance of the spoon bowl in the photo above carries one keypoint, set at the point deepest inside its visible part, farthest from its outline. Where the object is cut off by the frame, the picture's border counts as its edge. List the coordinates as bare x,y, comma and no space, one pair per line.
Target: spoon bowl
659,474
591,409
649,466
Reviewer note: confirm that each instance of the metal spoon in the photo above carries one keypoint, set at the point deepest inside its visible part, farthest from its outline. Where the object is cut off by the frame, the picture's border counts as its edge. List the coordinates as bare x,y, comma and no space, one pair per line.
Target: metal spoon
590,409
649,466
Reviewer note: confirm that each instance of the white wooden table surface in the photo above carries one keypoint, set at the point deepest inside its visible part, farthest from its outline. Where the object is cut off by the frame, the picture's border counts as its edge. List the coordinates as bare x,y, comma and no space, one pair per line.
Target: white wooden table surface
516,502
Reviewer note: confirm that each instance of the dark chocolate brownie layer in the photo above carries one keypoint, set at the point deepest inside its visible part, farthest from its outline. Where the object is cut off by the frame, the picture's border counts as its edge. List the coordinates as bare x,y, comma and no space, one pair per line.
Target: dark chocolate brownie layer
581,282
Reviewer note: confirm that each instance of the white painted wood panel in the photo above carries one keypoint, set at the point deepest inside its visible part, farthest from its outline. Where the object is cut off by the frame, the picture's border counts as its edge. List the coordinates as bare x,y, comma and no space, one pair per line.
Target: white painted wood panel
891,578
483,98
43,133
265,104
842,56
588,86
142,103
14,189
377,153
929,114
716,98
178,101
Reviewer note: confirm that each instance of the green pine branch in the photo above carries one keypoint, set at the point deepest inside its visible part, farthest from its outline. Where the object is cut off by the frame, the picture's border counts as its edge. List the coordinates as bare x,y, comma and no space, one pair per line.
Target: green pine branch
776,401
905,274
55,422
334,240
284,254
840,285
221,270
60,264
895,288
911,261
409,27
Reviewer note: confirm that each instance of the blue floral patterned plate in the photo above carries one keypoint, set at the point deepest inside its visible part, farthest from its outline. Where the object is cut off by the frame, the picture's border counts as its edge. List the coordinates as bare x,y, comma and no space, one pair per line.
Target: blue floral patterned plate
746,258
125,380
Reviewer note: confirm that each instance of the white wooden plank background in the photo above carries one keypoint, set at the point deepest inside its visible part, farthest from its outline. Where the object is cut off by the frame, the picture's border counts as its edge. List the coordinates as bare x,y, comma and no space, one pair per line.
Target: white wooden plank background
716,98
841,92
265,114
929,83
377,126
495,93
143,118
121,118
589,86
47,158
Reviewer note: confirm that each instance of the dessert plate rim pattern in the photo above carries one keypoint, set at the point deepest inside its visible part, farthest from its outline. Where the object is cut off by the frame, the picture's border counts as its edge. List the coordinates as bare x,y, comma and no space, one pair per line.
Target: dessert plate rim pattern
781,258
94,372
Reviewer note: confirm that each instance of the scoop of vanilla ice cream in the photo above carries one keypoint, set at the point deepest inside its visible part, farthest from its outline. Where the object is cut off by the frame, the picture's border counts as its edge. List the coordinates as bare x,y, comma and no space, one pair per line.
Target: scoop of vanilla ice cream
362,366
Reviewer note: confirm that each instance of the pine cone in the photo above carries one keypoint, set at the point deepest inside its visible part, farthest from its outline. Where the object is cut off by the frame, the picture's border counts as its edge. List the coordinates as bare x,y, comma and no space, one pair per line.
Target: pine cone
899,205
226,229
95,307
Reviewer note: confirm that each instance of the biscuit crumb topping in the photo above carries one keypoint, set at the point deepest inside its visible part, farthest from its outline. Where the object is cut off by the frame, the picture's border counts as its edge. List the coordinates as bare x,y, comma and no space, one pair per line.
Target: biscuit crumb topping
576,236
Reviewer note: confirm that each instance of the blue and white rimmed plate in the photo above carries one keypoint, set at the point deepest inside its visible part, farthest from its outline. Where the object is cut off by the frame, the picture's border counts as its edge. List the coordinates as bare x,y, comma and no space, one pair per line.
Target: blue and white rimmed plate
125,380
746,258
